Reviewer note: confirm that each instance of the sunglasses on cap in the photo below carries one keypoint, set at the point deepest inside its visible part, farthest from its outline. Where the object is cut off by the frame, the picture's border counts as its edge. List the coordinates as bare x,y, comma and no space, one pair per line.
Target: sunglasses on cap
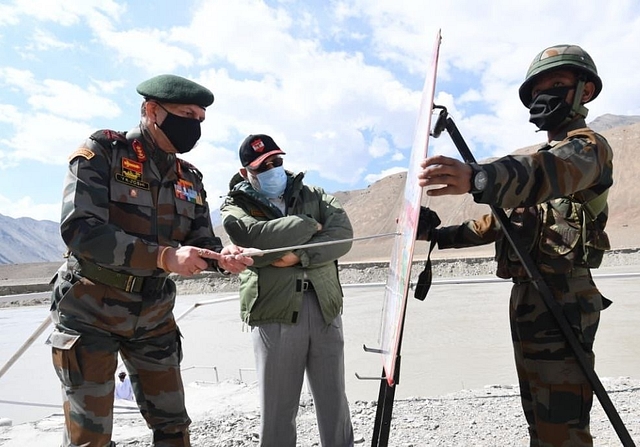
267,165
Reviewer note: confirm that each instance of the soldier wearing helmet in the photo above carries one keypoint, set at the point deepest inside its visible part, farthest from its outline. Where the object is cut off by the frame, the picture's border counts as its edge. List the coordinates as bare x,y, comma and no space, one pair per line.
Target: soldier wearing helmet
560,80
556,199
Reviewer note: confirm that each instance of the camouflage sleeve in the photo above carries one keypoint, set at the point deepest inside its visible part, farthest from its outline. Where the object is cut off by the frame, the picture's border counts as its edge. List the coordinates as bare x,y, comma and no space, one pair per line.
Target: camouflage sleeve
469,234
335,226
85,226
583,161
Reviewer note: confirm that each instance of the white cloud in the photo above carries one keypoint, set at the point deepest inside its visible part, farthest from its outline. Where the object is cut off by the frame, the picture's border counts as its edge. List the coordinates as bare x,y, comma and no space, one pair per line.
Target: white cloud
71,101
108,87
397,156
23,79
146,48
371,178
68,13
27,206
44,40
379,147
9,114
54,140
8,15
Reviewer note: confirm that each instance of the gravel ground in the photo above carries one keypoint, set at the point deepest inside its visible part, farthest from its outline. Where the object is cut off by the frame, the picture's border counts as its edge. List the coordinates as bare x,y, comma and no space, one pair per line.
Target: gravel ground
490,417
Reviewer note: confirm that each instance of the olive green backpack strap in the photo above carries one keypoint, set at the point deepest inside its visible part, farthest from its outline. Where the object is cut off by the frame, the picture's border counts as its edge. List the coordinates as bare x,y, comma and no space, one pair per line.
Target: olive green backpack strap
596,205
590,210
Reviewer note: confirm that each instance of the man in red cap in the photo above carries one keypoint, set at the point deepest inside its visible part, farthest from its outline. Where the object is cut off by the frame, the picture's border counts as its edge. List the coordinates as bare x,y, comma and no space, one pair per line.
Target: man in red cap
292,301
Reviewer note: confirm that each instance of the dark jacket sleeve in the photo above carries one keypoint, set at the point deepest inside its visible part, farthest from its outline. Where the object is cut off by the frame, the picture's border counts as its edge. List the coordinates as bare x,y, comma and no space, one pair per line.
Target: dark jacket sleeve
469,234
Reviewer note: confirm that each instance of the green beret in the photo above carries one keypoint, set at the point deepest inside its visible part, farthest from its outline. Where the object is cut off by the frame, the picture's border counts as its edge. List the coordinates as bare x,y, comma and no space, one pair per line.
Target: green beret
175,89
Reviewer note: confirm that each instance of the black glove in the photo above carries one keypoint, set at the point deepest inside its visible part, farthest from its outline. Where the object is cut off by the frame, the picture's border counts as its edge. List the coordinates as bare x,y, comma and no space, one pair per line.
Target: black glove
427,223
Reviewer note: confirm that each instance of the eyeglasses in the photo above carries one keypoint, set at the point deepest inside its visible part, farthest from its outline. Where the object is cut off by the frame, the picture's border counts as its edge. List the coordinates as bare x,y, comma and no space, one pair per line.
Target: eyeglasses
267,165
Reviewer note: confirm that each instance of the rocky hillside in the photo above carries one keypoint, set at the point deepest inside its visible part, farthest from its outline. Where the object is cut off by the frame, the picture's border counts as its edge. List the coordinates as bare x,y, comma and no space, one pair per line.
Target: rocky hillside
27,240
373,210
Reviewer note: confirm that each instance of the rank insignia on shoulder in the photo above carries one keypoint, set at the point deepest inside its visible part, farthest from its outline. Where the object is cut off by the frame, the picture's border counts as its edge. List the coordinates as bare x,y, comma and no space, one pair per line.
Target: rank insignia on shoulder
113,135
139,150
82,152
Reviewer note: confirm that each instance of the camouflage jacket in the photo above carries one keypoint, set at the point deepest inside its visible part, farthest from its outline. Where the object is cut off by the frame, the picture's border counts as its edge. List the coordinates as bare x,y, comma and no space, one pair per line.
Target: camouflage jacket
271,294
118,207
556,201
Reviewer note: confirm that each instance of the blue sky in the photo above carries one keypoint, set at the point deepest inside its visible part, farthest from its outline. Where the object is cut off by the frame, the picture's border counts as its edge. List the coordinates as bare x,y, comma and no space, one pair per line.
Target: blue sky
336,83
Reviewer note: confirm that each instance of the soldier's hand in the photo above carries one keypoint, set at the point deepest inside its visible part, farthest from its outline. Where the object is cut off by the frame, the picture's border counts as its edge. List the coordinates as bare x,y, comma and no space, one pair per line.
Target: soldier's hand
452,176
287,260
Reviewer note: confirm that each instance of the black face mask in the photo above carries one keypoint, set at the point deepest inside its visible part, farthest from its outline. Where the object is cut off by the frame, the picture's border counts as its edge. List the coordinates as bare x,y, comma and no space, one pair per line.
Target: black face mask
183,132
549,109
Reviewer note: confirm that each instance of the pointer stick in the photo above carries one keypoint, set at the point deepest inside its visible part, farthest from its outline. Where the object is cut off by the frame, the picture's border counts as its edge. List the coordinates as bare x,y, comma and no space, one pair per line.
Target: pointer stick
258,252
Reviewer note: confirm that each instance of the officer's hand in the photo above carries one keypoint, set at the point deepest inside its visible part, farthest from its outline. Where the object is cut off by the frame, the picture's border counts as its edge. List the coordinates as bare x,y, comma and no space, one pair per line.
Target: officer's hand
185,260
452,176
287,260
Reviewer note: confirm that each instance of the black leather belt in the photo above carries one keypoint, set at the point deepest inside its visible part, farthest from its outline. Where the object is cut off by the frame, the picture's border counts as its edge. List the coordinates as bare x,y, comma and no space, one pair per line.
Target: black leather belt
576,272
128,283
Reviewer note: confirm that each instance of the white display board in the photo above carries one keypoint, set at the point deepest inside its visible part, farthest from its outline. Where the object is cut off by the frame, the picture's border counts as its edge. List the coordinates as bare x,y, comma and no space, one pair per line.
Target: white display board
398,280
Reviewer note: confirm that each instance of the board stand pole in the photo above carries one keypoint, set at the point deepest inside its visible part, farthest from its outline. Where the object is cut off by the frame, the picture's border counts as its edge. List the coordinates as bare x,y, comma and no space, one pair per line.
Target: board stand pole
386,395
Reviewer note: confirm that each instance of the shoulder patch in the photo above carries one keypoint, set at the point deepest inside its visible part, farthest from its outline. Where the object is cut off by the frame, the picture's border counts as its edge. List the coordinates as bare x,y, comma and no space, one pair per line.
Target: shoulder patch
584,133
82,151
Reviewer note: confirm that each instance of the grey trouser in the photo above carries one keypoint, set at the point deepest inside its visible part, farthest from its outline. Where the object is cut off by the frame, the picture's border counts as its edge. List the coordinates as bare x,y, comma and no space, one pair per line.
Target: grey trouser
283,352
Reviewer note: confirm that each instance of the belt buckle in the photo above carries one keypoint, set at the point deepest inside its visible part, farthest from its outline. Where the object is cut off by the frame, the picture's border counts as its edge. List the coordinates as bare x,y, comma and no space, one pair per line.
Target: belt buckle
306,285
130,285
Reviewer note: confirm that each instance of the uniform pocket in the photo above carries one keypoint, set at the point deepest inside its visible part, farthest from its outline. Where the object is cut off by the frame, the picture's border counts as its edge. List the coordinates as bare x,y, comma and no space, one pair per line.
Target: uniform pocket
590,307
65,358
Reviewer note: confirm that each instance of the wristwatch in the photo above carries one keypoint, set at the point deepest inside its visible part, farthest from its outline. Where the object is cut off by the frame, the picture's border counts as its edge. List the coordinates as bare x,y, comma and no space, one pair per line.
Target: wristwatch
479,179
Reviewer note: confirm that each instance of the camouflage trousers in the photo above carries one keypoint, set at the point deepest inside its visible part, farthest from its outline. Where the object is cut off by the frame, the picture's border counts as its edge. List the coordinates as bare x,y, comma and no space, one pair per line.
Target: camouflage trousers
93,324
556,395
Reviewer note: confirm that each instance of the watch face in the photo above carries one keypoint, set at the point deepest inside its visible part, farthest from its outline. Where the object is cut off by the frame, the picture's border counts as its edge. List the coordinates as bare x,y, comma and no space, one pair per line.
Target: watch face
480,180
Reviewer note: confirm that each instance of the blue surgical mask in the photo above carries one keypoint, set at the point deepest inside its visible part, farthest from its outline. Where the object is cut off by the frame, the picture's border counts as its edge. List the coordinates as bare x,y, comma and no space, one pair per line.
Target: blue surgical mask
273,182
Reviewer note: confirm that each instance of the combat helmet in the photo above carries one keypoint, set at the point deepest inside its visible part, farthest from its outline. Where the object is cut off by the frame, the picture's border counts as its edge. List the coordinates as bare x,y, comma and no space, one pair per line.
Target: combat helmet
571,57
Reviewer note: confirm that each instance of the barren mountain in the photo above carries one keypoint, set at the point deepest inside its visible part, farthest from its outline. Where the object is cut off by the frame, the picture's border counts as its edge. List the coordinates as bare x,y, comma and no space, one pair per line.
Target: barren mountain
373,210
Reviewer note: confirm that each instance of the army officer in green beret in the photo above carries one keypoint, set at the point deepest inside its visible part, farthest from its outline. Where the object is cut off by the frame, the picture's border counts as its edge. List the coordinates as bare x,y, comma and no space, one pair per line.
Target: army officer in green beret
132,213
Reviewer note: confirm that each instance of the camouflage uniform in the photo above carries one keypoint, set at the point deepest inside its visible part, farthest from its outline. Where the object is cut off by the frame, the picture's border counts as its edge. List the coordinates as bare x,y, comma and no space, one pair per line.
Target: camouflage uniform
123,198
559,212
